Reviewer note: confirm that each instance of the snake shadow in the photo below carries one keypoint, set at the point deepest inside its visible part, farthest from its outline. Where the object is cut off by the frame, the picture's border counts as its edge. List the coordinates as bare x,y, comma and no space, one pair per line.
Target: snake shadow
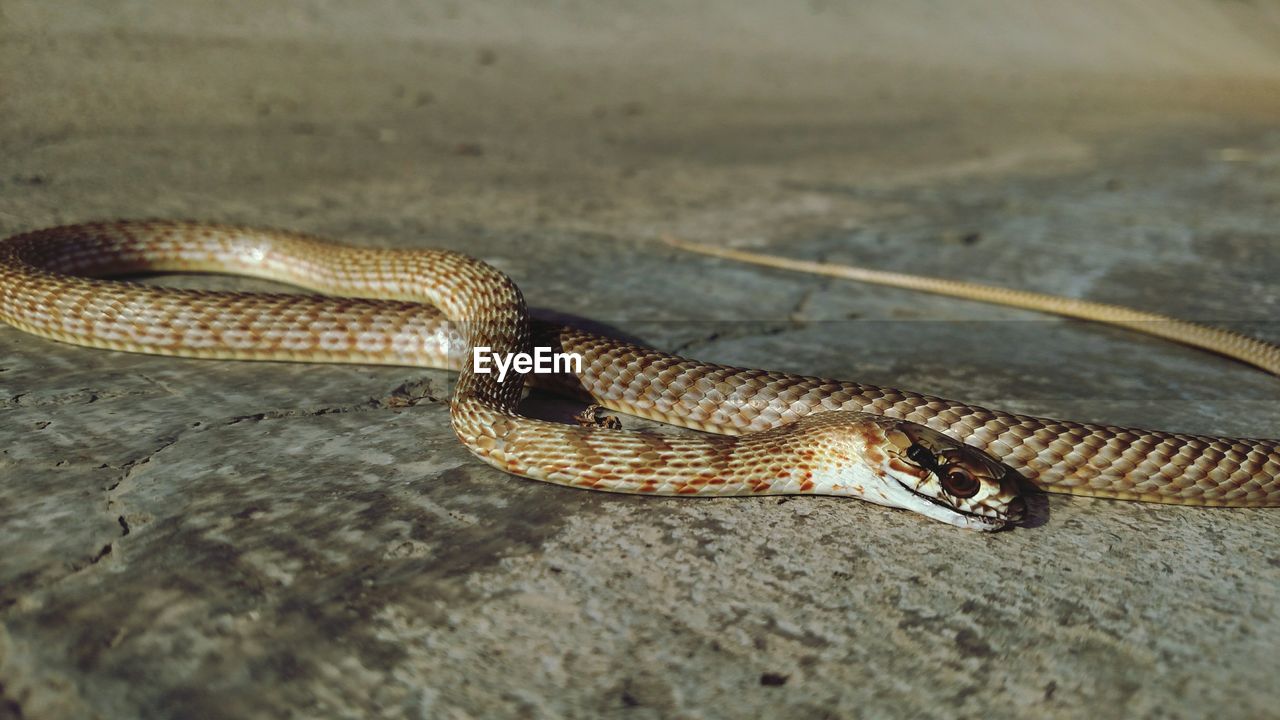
564,398
1037,500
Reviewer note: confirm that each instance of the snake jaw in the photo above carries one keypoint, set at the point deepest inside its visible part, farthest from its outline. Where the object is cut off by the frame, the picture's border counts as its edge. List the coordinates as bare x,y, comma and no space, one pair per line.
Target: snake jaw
979,518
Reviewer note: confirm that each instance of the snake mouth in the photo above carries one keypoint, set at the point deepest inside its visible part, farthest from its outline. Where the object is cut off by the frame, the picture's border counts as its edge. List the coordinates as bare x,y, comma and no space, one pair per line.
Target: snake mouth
994,522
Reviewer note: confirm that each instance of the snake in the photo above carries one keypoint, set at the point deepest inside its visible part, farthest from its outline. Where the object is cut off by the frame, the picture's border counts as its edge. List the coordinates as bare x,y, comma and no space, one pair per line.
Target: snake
762,432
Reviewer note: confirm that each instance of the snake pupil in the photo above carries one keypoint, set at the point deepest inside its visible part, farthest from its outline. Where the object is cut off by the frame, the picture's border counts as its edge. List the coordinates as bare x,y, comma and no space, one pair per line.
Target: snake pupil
960,483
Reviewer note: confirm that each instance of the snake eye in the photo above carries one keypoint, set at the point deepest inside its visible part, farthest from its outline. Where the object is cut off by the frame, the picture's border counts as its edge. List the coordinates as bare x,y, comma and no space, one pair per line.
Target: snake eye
922,457
960,483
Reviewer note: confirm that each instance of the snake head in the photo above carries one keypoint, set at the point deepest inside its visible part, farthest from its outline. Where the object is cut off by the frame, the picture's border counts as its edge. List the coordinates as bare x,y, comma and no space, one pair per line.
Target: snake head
905,465
946,480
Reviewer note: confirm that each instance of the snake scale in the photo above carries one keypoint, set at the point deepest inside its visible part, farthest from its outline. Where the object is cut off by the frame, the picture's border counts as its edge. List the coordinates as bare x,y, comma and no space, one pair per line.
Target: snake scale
773,433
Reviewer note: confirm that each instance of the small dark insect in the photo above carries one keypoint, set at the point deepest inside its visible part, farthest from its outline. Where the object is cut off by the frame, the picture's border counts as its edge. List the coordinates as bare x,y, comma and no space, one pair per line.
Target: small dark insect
922,457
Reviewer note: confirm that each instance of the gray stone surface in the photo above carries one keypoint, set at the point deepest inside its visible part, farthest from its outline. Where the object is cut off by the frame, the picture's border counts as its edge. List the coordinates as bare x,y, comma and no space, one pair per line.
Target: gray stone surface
204,539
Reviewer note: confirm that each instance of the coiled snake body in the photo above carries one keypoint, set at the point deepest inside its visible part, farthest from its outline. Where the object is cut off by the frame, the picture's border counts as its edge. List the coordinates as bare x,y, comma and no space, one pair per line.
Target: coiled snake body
776,433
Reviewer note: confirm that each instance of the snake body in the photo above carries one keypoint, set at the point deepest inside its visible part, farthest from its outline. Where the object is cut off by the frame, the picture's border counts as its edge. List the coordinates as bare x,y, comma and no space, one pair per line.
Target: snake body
776,433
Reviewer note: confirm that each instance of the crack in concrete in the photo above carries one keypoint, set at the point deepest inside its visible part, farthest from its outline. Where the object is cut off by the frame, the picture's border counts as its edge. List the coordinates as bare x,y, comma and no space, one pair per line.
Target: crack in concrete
797,313
80,396
798,310
755,330
795,320
129,467
158,383
407,394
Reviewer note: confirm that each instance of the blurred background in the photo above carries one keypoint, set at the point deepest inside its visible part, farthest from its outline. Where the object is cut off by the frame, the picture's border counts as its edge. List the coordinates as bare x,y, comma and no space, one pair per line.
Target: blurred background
613,116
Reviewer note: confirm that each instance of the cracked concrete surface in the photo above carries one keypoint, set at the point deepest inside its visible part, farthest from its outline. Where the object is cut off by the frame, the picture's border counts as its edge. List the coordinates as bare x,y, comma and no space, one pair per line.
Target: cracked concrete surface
208,539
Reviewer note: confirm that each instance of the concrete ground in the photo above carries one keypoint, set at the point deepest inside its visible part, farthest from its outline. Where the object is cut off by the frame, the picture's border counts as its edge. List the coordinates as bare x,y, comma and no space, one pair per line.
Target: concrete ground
226,540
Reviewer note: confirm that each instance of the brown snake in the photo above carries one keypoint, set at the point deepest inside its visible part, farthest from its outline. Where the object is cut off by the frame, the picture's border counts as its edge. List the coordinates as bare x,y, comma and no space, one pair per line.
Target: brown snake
776,433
